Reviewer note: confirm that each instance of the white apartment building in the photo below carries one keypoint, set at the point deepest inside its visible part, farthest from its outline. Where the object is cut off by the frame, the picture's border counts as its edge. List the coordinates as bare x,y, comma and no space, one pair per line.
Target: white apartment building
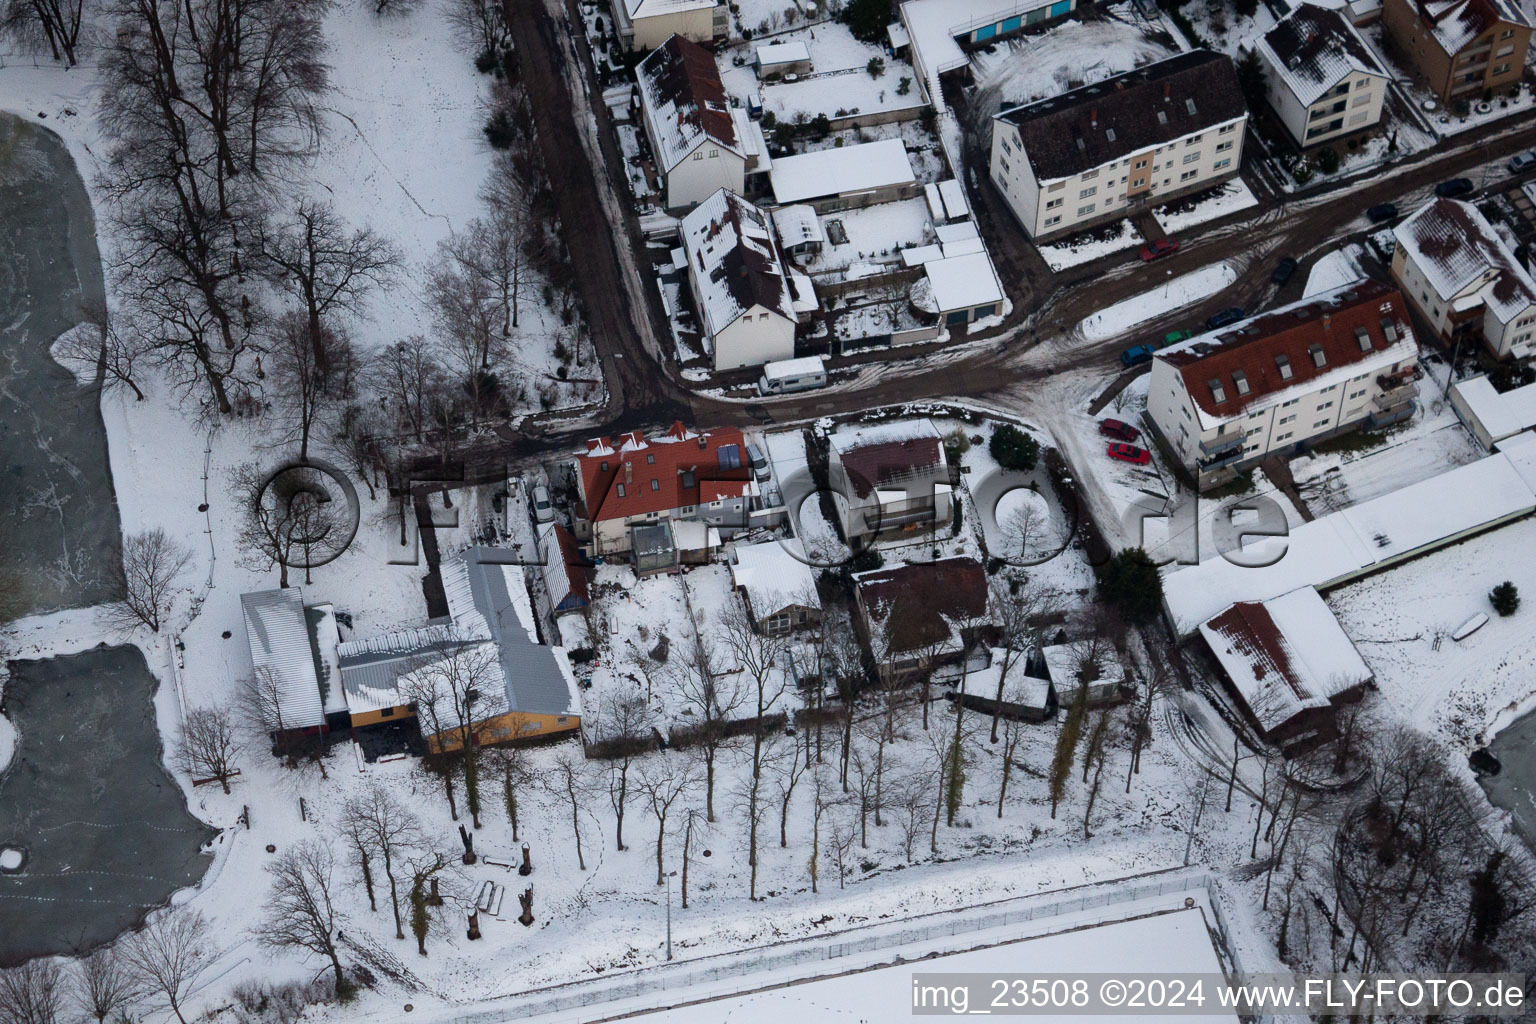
643,24
1338,361
1464,280
1320,77
1099,152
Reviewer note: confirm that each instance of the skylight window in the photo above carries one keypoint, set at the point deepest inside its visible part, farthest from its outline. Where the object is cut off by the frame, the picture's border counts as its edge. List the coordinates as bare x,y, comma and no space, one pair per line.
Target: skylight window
1189,105
1109,133
1162,117
1363,336
1284,364
1218,393
1240,381
1319,357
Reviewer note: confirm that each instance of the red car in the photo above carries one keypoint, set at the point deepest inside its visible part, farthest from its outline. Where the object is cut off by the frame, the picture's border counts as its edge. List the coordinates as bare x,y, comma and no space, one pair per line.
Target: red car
1161,247
1119,430
1130,453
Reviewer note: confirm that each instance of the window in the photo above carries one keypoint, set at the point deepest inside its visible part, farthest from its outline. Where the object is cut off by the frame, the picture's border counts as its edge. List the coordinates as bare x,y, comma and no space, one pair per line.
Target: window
1321,423
603,466
1283,362
1162,117
1083,211
621,490
1089,175
1325,405
1109,133
1189,174
1222,147
1240,381
1502,69
1360,101
1319,357
1356,394
1057,186
1006,148
650,458
1053,203
1287,419
1053,221
1363,336
386,712
698,154
1139,182
1508,33
1286,405
1218,393
1191,158
1085,193
655,484
1223,162
1189,105
1004,161
1228,129
687,510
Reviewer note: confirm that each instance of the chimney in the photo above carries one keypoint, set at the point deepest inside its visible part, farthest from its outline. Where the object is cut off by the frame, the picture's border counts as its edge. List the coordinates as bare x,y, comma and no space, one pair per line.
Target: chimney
703,443
1167,91
1326,318
1093,117
629,472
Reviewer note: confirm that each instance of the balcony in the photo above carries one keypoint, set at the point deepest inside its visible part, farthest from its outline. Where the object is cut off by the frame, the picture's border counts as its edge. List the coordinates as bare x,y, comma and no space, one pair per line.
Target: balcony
1216,462
1386,417
1222,445
892,518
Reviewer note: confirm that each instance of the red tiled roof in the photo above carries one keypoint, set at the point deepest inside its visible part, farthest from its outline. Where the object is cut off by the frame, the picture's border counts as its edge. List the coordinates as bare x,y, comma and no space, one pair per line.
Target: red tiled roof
1253,347
1252,632
874,466
631,476
575,565
919,602
686,74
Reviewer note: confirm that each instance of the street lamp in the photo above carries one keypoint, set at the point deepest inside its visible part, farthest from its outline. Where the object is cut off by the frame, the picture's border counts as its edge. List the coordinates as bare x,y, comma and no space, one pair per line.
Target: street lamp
670,874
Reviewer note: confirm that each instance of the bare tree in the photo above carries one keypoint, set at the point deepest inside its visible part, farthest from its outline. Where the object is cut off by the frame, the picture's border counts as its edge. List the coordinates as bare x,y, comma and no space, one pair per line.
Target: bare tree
568,779
285,519
511,764
424,869
329,269
297,381
170,953
260,698
843,836
153,562
622,731
914,812
56,22
457,686
209,745
378,825
106,985
300,913
95,346
1020,613
714,700
479,21
756,656
665,780
787,771
825,795
32,993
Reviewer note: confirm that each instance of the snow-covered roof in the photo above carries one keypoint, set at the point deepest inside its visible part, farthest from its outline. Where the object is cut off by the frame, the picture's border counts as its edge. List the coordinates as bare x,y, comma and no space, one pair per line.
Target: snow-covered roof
795,367
1501,415
1313,49
1455,247
371,668
933,25
684,100
1349,543
953,194
1454,24
963,282
278,636
734,261
774,575
797,225
1019,687
565,580
488,598
782,53
840,171
661,8
1285,655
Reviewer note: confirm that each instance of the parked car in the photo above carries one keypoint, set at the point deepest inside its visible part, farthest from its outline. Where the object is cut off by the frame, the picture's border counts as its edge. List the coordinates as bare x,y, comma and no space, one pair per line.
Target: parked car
1455,188
1161,247
1130,453
758,462
1118,429
1381,212
1136,355
1523,161
1225,317
1283,271
543,511
1174,337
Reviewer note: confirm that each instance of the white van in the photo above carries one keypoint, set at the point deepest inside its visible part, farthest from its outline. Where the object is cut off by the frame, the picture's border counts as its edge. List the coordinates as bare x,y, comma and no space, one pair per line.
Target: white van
789,375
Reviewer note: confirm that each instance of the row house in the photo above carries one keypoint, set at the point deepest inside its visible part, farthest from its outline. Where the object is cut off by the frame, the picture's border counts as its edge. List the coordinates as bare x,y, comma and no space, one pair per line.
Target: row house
1097,153
1464,280
1338,361
1462,48
1321,79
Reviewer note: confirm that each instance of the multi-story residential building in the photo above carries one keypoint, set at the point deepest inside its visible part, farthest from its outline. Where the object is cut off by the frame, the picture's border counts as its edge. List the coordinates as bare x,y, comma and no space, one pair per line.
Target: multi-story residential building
893,479
642,24
700,142
740,285
1463,279
1463,48
1335,362
633,482
1097,153
1321,79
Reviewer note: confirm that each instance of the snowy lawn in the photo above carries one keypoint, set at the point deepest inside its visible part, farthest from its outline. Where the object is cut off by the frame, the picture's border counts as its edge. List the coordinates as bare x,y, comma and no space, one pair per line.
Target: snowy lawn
1334,270
1175,293
1085,248
1230,198
871,234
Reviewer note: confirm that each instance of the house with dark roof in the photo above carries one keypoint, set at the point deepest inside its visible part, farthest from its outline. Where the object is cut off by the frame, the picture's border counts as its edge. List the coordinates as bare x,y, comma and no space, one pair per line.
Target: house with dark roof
564,569
1464,280
892,479
741,288
1337,361
634,481
1289,664
1103,151
643,24
916,617
699,141
1462,48
1321,79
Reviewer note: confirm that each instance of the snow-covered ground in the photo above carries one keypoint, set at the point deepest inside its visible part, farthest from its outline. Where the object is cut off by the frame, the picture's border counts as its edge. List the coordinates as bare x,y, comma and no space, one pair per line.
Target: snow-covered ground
1175,293
1232,197
1075,250
1334,270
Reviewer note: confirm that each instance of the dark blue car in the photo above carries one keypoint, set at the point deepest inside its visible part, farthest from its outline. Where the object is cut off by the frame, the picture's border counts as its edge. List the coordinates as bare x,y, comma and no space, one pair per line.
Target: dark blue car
1225,318
1455,188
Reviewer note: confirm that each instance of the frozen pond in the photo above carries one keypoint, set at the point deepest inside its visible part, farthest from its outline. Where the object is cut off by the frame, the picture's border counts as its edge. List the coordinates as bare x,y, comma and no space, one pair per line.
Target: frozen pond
1514,788
59,534
103,830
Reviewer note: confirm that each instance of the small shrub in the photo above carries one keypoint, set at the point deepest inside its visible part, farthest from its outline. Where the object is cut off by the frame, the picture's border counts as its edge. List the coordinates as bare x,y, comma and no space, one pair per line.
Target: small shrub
499,131
485,61
1505,598
904,86
1014,449
1328,160
875,67
1130,581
